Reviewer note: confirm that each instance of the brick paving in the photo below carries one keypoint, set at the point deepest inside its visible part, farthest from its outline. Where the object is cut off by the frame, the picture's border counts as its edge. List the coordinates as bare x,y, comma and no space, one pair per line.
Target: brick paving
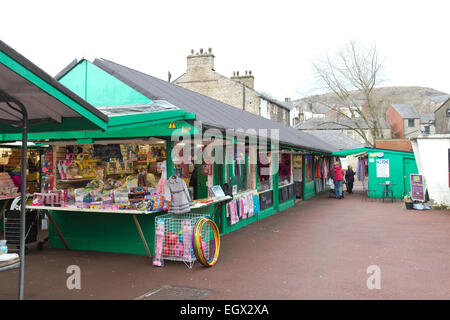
319,249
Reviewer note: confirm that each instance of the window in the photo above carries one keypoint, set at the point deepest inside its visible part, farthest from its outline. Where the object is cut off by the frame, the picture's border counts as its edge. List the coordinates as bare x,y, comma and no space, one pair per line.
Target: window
238,168
285,169
448,112
410,122
264,171
426,129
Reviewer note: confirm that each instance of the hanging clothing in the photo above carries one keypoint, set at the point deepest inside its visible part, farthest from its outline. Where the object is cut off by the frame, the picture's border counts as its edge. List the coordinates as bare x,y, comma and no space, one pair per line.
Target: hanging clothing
317,171
325,168
176,191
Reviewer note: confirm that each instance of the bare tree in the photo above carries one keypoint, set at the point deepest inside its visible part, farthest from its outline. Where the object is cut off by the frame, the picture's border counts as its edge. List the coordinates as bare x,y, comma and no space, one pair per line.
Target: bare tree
352,72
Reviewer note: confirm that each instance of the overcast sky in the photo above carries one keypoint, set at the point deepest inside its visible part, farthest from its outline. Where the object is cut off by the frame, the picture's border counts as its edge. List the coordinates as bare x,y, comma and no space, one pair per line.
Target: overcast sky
277,40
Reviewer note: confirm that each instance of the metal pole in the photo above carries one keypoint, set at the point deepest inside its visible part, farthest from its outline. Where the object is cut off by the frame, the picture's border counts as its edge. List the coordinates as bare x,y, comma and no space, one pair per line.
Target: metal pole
23,184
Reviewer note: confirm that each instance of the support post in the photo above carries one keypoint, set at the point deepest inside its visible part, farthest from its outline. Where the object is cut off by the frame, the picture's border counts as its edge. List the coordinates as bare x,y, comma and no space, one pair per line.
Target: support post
23,200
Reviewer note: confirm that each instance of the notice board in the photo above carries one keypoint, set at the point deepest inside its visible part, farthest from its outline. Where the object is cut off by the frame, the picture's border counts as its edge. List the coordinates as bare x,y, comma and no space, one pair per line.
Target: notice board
382,168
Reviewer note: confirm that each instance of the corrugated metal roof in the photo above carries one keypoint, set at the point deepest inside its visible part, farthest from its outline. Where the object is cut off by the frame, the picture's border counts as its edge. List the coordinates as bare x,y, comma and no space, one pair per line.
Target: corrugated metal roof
406,111
209,111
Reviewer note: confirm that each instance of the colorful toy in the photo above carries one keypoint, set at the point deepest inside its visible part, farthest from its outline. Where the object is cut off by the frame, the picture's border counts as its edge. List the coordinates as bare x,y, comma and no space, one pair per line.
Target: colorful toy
167,250
178,250
171,239
186,233
159,233
199,246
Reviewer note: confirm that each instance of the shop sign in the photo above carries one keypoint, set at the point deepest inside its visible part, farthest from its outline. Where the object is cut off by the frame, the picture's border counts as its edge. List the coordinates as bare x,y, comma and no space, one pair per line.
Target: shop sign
382,168
297,162
373,154
207,169
380,154
417,187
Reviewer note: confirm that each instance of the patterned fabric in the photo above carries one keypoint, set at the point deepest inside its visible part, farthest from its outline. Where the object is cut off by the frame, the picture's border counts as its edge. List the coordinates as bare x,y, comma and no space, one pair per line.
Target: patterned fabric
176,191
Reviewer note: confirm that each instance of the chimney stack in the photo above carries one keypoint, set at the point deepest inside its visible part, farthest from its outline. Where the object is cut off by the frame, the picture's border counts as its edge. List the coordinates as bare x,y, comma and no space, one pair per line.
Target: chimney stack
247,79
203,61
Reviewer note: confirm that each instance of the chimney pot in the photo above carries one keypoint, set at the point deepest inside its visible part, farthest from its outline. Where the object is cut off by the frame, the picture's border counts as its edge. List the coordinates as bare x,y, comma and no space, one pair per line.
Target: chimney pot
192,51
209,50
250,72
237,73
201,50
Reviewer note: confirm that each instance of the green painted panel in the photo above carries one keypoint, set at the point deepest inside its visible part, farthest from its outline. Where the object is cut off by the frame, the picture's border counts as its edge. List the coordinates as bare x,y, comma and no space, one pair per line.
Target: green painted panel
266,213
227,227
155,128
309,190
99,88
103,232
286,205
400,166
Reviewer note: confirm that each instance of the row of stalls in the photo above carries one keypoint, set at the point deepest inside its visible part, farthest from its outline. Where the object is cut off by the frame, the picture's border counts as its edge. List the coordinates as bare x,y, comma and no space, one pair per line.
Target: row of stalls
103,181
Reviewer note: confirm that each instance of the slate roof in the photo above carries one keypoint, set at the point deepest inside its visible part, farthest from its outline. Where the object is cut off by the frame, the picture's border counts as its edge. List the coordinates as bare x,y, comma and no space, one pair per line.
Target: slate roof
339,140
406,111
333,124
425,118
210,112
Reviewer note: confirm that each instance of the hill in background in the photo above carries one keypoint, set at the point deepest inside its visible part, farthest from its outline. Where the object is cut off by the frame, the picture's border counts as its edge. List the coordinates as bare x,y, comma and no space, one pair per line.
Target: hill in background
424,99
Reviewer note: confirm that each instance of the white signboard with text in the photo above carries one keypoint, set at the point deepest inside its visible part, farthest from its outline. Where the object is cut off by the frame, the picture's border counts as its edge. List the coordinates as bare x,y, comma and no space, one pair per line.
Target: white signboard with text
382,168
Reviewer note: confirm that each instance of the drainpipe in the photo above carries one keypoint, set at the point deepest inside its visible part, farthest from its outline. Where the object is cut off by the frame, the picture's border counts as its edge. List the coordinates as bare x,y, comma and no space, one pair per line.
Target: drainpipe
243,97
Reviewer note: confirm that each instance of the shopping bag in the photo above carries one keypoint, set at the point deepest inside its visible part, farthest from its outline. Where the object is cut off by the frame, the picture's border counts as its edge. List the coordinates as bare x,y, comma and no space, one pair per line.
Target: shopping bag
330,182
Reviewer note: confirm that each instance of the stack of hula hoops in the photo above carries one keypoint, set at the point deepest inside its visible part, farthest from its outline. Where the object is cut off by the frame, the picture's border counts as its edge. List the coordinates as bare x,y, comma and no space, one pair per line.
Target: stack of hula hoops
197,242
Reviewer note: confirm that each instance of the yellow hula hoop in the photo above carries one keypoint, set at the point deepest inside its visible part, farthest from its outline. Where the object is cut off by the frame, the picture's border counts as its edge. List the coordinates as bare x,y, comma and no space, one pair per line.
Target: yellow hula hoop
197,242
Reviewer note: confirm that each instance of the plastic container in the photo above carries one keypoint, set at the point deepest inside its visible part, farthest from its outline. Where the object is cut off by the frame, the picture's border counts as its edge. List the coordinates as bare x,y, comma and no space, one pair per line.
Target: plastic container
3,247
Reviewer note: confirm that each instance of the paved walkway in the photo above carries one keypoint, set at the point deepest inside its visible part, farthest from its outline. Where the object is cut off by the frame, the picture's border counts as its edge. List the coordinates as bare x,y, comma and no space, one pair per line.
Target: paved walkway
320,249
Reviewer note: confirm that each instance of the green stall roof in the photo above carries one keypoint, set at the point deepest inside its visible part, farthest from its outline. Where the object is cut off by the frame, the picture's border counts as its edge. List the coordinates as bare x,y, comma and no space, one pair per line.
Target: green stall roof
50,105
344,153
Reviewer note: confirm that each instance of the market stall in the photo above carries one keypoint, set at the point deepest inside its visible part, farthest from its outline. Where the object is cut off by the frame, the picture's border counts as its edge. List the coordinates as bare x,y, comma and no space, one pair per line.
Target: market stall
32,101
384,169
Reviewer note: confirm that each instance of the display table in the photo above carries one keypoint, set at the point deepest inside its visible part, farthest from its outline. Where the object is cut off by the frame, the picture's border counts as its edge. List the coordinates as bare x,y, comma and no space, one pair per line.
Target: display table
108,230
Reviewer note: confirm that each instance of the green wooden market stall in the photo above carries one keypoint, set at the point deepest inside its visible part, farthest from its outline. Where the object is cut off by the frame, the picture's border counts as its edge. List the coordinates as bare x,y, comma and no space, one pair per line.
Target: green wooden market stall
385,165
32,101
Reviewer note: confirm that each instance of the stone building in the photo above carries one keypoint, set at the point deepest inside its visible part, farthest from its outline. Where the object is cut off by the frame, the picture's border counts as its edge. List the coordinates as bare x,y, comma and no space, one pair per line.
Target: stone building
237,91
442,116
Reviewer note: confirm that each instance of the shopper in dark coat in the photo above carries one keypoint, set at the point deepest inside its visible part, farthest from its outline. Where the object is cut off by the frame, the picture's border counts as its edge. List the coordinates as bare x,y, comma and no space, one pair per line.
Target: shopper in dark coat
350,179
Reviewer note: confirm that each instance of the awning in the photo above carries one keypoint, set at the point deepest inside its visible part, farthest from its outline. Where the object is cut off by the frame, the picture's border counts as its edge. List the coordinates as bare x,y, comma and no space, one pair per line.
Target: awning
32,101
344,153
50,106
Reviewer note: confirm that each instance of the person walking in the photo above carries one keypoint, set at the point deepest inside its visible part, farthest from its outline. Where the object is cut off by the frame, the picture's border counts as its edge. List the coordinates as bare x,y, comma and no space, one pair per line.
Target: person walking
350,179
337,174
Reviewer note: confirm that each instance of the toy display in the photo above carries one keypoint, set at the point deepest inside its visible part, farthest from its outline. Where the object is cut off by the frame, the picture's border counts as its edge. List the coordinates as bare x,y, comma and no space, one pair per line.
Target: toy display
104,176
157,260
7,187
